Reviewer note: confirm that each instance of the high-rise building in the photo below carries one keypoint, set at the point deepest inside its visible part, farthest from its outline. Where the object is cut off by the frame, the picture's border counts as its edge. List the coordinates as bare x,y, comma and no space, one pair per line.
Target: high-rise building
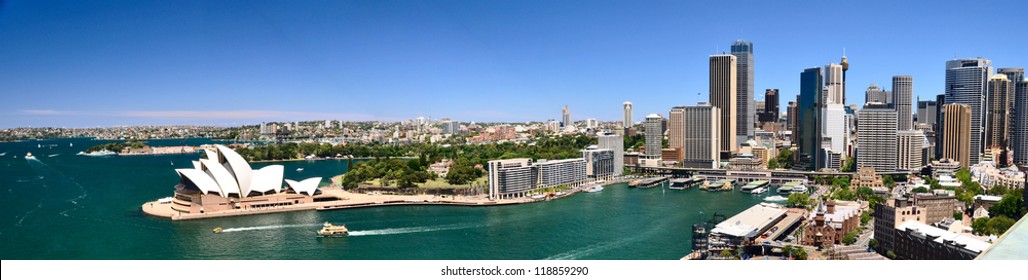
724,96
910,146
599,163
956,133
940,100
770,113
1019,120
654,134
967,83
808,135
562,172
614,143
627,122
834,133
996,107
565,115
926,112
511,177
676,128
876,94
1013,74
833,84
792,113
700,134
903,94
877,137
743,52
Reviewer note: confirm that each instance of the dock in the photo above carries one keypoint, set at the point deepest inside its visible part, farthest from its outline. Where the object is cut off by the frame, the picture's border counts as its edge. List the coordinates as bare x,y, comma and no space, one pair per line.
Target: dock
647,183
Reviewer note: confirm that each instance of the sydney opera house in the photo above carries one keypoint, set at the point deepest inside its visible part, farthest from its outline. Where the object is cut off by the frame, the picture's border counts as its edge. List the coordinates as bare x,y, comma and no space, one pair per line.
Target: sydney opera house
224,181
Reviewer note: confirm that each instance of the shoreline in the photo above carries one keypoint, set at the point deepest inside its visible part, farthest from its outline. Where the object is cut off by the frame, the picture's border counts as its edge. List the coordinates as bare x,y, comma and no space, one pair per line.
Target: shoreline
348,200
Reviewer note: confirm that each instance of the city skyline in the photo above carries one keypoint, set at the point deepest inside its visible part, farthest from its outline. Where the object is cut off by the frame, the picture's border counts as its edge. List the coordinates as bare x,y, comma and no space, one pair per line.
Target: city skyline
88,65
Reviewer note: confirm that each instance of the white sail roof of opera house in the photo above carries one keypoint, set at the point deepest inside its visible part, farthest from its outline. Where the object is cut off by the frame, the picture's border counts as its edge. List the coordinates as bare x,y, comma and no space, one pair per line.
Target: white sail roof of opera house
308,186
225,172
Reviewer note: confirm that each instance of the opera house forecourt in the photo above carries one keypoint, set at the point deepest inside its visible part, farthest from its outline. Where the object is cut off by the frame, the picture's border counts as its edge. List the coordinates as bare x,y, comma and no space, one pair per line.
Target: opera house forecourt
223,184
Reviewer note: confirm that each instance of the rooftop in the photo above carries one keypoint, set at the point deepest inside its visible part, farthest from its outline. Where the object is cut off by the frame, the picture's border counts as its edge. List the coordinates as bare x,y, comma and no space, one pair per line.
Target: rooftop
941,236
748,222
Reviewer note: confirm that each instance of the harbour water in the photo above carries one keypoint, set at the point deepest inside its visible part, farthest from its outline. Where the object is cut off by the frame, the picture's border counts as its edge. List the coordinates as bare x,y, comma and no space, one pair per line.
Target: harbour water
77,207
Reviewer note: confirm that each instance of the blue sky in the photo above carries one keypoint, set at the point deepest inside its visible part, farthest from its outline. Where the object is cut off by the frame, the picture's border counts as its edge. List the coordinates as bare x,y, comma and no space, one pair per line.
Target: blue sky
106,63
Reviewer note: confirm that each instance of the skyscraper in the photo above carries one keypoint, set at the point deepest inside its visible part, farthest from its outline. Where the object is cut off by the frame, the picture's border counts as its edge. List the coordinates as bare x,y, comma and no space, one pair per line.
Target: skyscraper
565,117
876,94
676,128
1013,74
910,145
834,133
940,100
614,143
926,112
876,143
793,112
967,83
808,134
833,84
1019,132
654,134
743,52
771,109
956,139
700,135
628,114
903,94
996,107
723,94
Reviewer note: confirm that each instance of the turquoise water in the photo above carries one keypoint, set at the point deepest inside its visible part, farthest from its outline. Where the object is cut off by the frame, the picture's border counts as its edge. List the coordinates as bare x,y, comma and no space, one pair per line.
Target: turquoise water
75,207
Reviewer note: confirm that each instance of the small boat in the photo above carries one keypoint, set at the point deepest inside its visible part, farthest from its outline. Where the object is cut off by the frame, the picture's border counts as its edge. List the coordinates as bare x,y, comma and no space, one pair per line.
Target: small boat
593,189
71,144
330,230
217,230
299,169
29,156
172,163
39,145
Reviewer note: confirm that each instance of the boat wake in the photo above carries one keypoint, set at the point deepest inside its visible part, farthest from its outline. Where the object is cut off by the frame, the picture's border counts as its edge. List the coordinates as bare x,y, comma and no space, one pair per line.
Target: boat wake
46,171
53,155
242,229
406,230
604,246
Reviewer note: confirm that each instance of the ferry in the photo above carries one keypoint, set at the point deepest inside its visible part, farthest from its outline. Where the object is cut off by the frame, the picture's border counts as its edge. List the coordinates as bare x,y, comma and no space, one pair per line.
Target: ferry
217,230
756,187
685,183
29,156
330,230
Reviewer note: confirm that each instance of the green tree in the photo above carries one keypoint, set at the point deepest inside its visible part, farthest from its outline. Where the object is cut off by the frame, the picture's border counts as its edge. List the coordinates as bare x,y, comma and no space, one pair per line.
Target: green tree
958,216
980,226
998,190
999,224
1011,205
772,164
850,238
798,200
849,165
919,190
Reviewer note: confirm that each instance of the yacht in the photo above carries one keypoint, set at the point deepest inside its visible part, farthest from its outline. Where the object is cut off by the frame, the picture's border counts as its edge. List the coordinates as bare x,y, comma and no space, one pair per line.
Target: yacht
595,188
29,156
